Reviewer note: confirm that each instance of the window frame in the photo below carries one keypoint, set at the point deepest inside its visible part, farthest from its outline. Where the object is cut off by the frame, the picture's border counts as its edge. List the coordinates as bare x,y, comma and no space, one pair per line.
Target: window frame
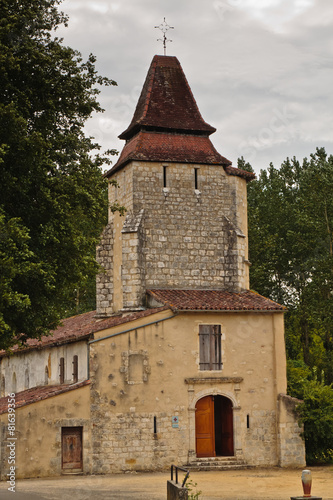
165,176
196,182
210,347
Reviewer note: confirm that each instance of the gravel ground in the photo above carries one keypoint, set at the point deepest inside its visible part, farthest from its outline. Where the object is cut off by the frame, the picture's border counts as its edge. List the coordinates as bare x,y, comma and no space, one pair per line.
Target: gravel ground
249,484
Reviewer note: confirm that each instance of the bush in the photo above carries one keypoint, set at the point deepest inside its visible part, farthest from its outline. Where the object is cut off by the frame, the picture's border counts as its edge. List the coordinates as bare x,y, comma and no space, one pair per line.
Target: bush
316,413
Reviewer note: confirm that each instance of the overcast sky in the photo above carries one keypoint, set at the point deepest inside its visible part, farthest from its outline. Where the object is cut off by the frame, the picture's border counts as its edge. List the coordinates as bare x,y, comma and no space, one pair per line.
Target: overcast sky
261,71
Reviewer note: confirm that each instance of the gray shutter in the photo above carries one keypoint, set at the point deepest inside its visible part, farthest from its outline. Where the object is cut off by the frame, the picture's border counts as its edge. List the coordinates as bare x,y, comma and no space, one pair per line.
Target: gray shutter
204,341
210,347
216,349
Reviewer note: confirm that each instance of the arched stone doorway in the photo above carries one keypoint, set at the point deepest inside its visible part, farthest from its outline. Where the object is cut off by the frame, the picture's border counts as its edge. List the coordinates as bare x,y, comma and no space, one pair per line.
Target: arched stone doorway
214,427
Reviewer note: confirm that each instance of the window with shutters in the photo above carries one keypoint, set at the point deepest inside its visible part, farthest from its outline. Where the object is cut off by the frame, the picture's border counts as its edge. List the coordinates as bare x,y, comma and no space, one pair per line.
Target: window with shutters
62,370
75,368
210,347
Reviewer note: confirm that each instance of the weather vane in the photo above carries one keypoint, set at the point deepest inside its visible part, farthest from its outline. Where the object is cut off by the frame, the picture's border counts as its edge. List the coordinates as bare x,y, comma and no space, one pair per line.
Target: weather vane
164,27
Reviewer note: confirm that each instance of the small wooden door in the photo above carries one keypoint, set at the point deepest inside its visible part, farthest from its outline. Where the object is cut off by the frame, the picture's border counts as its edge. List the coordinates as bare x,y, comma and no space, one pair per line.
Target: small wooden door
72,448
204,427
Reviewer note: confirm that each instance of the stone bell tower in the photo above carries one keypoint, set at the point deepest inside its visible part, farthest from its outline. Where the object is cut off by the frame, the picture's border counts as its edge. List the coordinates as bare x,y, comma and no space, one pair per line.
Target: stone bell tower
186,220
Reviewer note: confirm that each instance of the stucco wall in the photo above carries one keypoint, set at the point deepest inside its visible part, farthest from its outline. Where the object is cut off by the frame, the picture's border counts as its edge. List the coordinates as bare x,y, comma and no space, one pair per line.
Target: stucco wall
143,378
29,368
38,434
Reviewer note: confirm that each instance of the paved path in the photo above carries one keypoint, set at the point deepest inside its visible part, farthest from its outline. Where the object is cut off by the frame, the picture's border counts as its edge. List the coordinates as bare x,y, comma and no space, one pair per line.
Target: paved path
251,484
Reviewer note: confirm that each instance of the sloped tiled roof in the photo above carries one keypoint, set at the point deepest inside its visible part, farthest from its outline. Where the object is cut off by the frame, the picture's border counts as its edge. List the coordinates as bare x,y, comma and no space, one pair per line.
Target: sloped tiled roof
214,300
238,172
71,330
81,327
166,101
169,147
34,394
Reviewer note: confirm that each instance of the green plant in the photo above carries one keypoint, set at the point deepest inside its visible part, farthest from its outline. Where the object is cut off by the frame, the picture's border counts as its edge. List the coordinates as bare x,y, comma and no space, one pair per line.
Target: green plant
191,486
316,413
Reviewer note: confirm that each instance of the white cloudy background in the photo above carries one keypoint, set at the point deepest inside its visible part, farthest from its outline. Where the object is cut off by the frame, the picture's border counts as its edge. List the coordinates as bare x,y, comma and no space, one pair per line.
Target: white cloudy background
261,71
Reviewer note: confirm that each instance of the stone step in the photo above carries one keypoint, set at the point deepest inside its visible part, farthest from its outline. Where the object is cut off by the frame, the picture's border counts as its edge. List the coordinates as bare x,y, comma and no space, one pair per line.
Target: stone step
217,463
220,460
213,468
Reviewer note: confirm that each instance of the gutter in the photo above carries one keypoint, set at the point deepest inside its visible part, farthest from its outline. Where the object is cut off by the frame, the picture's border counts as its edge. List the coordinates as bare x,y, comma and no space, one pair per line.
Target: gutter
262,311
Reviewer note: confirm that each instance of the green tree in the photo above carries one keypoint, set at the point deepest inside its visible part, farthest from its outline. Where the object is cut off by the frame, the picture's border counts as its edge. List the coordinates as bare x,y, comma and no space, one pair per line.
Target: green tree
53,202
316,413
290,241
298,375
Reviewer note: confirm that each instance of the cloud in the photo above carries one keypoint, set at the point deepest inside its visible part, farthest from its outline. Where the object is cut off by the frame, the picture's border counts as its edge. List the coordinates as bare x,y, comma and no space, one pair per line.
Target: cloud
245,60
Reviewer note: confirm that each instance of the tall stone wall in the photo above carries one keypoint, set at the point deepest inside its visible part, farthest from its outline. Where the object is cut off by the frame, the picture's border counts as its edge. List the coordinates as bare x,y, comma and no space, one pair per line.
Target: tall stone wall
192,236
133,261
176,236
104,280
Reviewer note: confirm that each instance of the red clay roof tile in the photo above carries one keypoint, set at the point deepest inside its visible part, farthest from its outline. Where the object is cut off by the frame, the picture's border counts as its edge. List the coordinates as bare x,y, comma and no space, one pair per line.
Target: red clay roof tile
238,172
35,394
214,300
169,147
81,327
166,101
167,124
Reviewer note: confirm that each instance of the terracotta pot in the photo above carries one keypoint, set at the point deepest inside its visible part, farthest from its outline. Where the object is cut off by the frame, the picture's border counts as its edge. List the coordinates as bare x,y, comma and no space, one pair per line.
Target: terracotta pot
306,482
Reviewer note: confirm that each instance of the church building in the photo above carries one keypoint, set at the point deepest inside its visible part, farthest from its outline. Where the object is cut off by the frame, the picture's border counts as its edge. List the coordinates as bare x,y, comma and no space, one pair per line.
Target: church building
181,362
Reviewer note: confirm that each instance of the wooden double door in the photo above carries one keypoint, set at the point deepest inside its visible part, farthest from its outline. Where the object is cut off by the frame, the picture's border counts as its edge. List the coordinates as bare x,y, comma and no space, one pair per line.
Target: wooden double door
214,427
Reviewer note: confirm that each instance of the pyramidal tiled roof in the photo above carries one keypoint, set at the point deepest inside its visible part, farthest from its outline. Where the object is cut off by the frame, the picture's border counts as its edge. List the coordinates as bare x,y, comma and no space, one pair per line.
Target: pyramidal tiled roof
167,124
166,102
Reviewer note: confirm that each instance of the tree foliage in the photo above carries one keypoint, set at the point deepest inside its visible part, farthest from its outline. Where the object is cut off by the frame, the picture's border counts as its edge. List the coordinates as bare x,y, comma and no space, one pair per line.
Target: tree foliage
53,196
316,413
290,241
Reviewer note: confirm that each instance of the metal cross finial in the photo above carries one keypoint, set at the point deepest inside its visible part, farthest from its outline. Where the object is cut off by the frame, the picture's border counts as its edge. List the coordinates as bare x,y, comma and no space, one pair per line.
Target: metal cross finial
164,27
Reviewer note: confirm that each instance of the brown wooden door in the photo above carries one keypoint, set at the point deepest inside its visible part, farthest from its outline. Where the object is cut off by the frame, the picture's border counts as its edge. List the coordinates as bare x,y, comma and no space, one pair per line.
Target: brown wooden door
227,437
204,427
72,448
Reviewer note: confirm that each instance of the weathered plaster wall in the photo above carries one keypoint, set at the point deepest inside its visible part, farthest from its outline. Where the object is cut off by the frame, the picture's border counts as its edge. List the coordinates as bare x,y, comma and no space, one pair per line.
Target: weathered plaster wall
38,433
41,367
143,378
